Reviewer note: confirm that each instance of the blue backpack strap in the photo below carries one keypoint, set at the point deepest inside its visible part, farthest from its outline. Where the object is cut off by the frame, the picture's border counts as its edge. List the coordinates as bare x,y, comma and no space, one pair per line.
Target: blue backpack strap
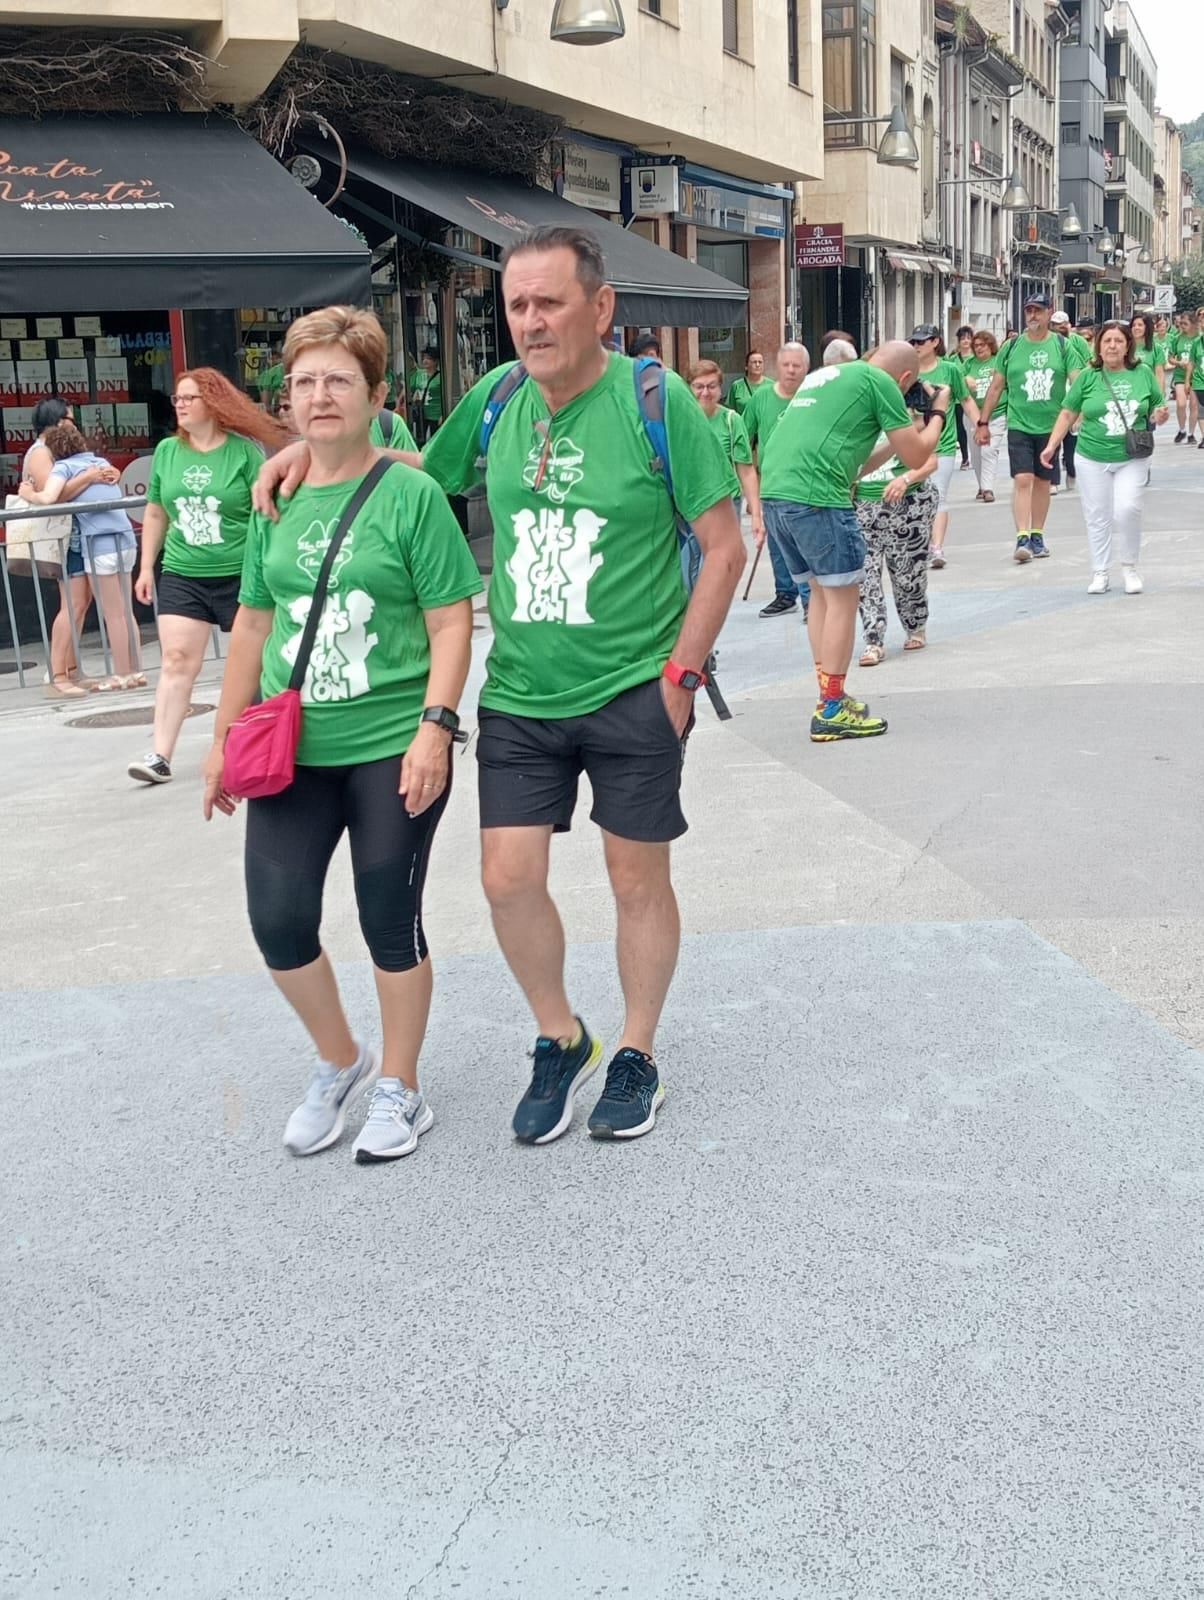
500,396
650,397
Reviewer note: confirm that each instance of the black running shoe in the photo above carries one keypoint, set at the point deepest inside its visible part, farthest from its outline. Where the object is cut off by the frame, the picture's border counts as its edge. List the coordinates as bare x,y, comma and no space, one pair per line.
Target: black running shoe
631,1099
1180,436
546,1109
779,605
151,769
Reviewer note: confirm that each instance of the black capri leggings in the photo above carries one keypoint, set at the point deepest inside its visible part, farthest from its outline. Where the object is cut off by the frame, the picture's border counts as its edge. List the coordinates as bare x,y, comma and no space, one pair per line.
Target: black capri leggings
291,837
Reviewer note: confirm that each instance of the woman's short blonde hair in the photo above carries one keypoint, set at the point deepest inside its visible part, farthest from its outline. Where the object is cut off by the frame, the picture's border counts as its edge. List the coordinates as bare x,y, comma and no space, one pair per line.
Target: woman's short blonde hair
359,332
705,369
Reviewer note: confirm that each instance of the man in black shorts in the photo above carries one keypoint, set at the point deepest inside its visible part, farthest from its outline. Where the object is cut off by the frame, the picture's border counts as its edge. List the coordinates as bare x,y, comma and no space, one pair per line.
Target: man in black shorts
596,656
1036,369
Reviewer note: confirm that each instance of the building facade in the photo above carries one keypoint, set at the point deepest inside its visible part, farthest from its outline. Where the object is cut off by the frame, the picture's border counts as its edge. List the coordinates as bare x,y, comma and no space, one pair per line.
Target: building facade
1129,159
877,55
1081,165
1168,193
721,97
978,81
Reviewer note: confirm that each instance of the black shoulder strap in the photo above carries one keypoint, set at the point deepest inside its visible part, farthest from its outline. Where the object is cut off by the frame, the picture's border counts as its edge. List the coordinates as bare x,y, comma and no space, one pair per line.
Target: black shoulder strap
384,420
310,632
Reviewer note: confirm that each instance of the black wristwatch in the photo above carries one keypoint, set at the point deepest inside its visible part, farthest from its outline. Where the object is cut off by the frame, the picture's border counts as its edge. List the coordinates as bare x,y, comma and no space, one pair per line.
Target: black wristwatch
446,719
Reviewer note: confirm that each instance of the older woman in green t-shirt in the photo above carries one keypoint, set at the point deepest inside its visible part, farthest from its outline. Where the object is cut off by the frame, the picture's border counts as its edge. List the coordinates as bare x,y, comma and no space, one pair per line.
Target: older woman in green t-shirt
381,690
1116,397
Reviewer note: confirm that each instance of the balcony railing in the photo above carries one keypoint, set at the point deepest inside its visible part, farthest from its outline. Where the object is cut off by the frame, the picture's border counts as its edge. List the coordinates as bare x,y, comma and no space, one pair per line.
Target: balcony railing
984,160
1039,230
983,266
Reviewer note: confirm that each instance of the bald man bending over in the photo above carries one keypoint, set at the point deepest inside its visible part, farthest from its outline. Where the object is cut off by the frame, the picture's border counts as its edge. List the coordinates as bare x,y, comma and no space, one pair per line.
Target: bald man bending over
826,436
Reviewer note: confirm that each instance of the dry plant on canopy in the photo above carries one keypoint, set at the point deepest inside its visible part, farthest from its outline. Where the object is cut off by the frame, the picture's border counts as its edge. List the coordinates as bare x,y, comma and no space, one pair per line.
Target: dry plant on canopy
403,117
50,69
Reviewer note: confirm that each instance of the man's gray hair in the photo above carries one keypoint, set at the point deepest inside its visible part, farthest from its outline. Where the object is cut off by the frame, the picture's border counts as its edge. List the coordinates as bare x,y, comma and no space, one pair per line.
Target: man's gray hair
840,350
591,264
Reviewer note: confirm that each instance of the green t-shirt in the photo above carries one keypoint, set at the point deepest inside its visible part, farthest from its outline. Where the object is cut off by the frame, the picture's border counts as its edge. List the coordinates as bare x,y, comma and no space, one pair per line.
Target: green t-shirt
400,437
740,395
872,487
1079,352
1160,352
586,597
733,438
950,373
763,415
426,394
1102,436
1035,372
978,380
1178,349
828,431
207,498
366,682
1195,353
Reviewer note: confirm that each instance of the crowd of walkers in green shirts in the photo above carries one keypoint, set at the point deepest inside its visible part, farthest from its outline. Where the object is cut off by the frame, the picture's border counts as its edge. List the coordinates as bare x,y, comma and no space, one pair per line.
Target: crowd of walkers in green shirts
331,556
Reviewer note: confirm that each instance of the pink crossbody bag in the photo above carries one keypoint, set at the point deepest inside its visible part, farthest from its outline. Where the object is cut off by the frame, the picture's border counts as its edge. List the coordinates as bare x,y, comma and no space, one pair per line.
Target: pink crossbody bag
261,747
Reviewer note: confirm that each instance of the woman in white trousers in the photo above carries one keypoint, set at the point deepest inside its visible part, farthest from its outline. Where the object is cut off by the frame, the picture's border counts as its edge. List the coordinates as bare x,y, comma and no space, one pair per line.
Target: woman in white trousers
980,369
1116,397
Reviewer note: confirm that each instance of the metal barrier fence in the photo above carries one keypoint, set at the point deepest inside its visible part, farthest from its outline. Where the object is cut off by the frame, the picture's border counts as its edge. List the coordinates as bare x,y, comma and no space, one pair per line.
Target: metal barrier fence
47,560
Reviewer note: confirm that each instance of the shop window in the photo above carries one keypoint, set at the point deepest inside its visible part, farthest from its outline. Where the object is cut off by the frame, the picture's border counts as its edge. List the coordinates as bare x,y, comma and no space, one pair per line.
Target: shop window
726,346
115,369
850,70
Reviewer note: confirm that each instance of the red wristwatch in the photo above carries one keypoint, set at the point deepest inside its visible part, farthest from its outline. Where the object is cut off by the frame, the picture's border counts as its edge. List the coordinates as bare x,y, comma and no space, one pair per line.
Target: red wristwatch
685,677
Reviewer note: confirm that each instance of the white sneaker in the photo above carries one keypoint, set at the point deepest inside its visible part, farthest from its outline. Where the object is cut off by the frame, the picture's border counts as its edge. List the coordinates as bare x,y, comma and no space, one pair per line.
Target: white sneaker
318,1121
1100,583
1133,583
397,1116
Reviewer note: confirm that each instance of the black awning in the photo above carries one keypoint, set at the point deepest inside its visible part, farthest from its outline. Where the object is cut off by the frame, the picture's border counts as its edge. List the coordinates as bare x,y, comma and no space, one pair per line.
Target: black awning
143,213
653,286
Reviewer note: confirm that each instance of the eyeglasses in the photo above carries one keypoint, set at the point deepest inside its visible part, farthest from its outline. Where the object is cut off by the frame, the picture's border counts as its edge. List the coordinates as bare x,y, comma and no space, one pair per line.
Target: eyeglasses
179,400
338,385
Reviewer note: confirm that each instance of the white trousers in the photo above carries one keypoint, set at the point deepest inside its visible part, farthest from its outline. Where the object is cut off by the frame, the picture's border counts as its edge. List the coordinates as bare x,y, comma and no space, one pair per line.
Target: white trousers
1112,493
986,456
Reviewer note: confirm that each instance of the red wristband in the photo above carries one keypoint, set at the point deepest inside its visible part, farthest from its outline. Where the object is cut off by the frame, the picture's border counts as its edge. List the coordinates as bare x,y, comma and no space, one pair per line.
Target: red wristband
685,677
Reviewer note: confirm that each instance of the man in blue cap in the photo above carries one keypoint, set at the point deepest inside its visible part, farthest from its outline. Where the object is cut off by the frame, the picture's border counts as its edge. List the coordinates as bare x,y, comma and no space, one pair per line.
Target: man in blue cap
1036,369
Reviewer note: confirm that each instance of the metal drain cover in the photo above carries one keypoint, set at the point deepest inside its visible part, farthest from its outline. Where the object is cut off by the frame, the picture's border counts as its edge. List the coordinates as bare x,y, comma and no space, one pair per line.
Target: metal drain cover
11,666
130,717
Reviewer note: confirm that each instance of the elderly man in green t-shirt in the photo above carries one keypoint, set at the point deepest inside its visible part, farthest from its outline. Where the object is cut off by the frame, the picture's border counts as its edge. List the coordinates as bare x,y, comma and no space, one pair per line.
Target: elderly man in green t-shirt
597,652
825,437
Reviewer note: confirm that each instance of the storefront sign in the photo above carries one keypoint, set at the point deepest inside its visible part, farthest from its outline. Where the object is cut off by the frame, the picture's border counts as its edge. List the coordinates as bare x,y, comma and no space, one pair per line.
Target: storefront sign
732,210
654,190
819,244
66,184
592,178
1164,297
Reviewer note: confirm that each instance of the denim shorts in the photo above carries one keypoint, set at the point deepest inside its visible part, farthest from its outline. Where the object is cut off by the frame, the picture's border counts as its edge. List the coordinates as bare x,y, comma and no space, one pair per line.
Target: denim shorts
823,543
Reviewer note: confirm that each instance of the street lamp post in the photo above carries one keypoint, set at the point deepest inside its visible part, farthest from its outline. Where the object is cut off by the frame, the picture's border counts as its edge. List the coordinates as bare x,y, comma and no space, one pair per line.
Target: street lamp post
897,147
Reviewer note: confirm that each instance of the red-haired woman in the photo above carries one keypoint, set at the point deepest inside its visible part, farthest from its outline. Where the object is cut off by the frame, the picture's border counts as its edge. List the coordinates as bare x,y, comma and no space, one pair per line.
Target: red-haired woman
199,500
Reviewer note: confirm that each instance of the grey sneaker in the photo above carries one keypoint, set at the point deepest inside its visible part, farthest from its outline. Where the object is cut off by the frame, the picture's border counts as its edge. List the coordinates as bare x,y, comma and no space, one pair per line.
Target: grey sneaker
151,769
318,1120
397,1117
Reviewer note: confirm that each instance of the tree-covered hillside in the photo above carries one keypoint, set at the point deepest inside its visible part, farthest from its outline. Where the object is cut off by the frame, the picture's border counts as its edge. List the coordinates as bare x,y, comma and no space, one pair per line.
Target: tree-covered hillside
1193,151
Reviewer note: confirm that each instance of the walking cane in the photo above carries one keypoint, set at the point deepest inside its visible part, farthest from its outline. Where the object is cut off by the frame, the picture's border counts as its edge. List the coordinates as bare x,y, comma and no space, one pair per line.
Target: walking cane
753,573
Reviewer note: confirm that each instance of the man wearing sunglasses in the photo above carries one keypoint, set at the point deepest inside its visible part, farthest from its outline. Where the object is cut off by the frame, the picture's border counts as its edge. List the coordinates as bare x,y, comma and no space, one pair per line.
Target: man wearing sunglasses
597,655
